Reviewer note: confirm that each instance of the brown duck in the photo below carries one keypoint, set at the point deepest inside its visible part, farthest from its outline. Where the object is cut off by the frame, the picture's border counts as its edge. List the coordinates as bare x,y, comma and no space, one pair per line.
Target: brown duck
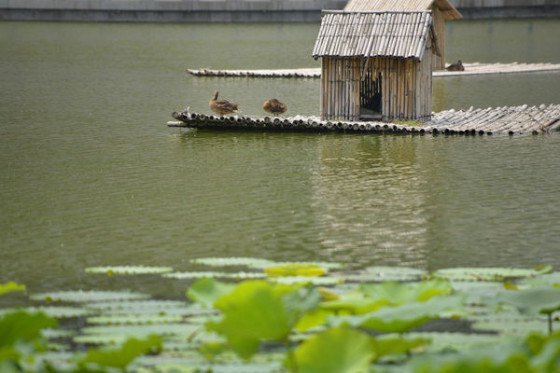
458,66
273,106
221,107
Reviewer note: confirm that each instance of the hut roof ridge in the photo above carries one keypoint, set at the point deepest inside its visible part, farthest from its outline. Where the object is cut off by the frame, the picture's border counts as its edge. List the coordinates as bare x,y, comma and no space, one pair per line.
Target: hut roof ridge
370,34
445,6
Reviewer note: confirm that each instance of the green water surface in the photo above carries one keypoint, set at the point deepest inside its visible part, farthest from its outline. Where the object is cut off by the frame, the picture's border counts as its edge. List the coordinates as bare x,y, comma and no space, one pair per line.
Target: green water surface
91,176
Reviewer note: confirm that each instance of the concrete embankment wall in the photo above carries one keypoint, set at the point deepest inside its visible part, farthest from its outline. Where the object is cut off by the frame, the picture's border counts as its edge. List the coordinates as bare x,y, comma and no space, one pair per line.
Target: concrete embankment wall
236,10
168,10
482,9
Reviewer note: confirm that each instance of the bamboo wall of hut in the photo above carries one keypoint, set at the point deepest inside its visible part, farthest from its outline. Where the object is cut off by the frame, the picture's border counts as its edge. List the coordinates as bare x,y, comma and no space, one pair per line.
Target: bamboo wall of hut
376,65
403,87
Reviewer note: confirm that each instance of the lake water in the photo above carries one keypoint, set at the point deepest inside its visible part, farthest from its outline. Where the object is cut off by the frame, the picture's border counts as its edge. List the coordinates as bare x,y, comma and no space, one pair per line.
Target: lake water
91,176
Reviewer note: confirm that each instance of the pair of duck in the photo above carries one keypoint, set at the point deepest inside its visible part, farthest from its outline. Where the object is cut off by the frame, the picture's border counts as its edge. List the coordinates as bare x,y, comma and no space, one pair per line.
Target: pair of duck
223,107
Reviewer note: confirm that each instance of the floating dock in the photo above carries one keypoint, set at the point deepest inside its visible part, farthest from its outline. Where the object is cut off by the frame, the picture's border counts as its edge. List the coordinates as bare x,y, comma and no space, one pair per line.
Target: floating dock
470,69
501,120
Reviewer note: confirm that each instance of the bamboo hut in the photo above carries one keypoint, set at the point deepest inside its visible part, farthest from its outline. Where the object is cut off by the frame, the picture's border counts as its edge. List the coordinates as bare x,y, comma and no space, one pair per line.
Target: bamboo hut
442,11
376,65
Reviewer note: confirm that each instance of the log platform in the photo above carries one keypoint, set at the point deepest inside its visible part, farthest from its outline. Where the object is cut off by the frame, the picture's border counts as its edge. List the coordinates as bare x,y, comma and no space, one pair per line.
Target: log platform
470,69
501,120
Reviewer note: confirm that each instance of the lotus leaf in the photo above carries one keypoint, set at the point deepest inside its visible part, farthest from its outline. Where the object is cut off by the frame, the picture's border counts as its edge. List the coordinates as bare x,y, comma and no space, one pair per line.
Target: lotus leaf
448,341
121,357
337,350
21,331
84,296
147,307
207,274
295,269
58,312
11,286
488,274
258,311
326,265
206,291
531,301
402,318
396,293
380,273
313,319
391,344
128,270
57,333
233,261
135,319
550,279
24,326
292,280
354,302
186,330
511,326
545,351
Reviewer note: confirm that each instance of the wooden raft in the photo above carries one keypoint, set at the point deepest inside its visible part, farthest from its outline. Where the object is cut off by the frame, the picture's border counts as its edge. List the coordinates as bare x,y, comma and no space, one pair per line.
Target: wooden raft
501,120
470,69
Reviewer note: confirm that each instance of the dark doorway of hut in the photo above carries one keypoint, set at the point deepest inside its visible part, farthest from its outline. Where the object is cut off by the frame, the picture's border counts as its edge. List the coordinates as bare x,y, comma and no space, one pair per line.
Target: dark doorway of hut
370,97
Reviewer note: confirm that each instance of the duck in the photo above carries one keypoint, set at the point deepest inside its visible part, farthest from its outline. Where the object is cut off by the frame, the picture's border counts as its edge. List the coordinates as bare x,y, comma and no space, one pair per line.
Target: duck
221,107
458,66
275,107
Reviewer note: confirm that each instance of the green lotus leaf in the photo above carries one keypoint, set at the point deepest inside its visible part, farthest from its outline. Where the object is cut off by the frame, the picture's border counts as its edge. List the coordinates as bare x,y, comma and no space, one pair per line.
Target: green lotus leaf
195,275
513,326
143,330
545,351
402,318
477,293
380,273
58,333
258,311
354,302
206,291
121,357
303,280
233,261
396,293
134,319
148,307
449,341
325,265
57,312
84,296
390,344
313,319
56,346
117,334
128,270
295,269
550,279
23,326
10,287
208,274
534,300
337,350
488,274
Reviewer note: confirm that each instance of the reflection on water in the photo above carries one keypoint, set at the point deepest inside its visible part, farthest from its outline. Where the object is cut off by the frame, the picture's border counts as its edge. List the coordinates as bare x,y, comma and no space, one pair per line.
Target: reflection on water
90,175
369,194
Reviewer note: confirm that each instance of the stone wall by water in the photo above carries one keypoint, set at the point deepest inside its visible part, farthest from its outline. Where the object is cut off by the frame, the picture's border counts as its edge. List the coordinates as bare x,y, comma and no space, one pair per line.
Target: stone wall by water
236,10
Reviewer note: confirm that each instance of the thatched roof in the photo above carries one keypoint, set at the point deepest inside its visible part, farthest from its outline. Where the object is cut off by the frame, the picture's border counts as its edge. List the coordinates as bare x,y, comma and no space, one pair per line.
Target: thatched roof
372,34
445,6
